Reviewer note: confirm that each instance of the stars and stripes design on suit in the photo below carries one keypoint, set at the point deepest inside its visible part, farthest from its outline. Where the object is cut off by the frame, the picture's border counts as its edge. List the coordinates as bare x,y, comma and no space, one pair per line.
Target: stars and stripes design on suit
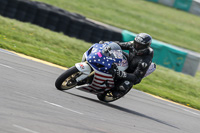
100,83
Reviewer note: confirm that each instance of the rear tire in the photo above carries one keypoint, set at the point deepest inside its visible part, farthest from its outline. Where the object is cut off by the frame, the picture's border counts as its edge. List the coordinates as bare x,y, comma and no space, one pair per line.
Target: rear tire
67,79
108,96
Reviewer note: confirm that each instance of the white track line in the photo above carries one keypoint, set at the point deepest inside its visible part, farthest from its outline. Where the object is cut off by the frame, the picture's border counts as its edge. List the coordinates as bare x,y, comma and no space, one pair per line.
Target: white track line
63,107
6,66
25,129
26,95
12,68
54,104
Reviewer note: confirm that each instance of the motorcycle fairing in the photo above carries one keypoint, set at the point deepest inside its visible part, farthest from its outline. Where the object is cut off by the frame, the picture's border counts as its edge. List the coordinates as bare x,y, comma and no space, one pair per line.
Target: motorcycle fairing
101,82
84,68
100,57
102,60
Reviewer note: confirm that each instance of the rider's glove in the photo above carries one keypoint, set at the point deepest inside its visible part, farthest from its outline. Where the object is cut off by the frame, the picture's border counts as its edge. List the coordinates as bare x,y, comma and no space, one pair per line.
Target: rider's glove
130,44
127,45
101,42
117,73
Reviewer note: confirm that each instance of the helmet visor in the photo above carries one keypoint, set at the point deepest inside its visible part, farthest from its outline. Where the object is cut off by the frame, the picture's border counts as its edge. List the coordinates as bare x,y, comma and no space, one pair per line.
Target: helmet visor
139,46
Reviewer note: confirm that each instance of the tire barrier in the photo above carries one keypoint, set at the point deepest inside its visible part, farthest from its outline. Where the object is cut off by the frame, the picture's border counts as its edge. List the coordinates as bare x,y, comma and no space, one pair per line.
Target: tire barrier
87,28
11,9
56,19
3,4
41,14
22,10
75,27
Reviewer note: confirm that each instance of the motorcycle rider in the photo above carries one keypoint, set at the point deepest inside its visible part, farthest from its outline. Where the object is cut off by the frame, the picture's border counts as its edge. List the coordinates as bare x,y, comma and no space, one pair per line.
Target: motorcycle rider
139,59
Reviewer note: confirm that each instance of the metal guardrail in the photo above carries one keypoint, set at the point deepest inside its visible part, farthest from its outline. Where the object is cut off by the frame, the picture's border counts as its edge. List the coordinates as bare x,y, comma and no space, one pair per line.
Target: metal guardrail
192,6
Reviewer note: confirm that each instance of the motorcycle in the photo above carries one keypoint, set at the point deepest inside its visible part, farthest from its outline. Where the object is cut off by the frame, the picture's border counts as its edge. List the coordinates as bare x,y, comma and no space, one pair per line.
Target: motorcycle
95,74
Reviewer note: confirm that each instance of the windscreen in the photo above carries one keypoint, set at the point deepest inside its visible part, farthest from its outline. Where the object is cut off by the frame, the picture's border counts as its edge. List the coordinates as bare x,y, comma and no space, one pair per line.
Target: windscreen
113,50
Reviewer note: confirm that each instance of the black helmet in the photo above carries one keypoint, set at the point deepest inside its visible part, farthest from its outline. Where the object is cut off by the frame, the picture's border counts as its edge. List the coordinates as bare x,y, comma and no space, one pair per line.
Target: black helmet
142,41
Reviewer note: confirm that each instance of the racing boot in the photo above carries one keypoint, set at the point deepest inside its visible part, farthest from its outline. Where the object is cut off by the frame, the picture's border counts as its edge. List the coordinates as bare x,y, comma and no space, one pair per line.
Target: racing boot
122,89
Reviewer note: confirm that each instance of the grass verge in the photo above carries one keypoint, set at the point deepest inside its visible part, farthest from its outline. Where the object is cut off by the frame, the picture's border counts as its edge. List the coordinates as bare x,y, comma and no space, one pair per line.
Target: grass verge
41,43
172,85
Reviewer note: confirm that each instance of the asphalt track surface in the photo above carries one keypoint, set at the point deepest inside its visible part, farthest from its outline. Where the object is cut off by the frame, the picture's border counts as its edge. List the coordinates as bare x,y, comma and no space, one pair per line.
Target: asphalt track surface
30,103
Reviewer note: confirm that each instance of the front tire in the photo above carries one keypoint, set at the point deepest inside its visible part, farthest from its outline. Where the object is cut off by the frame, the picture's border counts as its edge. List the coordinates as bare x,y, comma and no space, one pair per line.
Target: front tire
67,80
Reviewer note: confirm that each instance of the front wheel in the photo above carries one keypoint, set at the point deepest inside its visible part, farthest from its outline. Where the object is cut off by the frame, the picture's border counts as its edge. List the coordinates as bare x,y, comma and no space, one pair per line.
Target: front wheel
67,80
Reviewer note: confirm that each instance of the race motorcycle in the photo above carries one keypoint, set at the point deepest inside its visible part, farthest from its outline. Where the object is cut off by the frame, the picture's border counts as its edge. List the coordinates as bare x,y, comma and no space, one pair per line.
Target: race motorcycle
95,74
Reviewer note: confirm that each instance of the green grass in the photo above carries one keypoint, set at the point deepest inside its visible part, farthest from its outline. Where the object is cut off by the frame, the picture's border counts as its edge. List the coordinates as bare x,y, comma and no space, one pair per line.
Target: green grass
60,49
163,23
172,85
41,43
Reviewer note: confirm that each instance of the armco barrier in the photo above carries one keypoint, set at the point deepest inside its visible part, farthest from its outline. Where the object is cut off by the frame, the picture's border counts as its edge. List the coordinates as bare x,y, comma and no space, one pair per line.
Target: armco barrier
192,6
167,2
56,19
153,0
191,64
183,4
168,56
195,8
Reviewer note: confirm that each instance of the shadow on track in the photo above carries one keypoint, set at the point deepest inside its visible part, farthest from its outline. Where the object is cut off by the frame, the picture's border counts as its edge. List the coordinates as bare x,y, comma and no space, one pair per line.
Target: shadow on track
123,109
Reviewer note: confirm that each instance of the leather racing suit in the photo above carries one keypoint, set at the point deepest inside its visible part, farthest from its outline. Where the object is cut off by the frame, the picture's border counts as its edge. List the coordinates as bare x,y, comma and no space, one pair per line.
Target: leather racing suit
139,62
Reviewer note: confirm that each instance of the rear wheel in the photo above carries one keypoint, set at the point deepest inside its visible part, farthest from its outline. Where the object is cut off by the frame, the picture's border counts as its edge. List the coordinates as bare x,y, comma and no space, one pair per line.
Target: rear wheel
67,80
109,97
